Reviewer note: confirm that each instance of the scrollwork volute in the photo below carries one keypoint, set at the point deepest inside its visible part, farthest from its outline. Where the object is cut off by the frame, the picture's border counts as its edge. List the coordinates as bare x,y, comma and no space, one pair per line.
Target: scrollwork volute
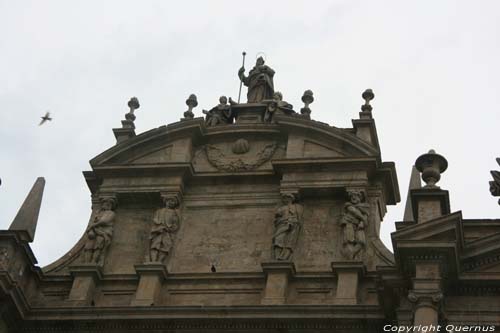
100,232
287,227
429,299
165,226
353,222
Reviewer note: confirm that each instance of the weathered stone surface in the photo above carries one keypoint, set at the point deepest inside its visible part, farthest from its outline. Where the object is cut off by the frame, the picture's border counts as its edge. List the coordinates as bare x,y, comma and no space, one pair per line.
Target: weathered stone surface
202,200
27,217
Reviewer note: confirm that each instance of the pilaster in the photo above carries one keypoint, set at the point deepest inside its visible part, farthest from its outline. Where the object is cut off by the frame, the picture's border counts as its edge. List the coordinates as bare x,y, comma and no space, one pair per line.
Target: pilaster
85,279
349,274
278,276
151,275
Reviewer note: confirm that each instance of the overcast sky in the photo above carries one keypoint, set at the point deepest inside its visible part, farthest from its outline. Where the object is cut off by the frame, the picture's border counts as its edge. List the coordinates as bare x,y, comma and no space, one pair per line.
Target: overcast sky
434,67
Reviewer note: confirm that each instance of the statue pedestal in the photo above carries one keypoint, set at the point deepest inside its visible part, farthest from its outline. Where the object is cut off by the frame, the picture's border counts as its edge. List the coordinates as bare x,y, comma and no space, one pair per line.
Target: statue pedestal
278,274
123,134
348,276
85,278
152,275
249,113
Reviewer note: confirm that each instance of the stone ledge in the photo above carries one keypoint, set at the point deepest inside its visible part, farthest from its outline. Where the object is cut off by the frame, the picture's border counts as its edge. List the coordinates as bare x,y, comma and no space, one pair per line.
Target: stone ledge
279,266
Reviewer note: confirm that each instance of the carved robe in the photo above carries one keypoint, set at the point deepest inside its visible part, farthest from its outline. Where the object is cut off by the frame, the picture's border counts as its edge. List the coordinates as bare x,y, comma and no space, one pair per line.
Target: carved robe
165,224
99,235
260,84
353,223
287,227
219,115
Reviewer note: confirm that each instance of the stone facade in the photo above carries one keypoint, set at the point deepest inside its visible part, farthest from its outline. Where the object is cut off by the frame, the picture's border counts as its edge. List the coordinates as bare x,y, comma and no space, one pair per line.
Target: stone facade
264,221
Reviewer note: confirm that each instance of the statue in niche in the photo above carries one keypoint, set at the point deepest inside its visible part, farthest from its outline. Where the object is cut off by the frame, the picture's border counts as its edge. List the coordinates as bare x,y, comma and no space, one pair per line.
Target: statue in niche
220,114
165,225
287,227
353,223
276,105
100,232
259,81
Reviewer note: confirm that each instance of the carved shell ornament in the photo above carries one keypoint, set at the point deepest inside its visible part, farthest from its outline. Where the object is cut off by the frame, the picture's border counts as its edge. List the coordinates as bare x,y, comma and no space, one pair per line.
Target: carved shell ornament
217,158
240,146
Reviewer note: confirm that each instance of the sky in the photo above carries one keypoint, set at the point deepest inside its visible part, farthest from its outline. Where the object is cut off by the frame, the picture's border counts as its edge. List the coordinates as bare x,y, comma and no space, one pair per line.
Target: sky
433,66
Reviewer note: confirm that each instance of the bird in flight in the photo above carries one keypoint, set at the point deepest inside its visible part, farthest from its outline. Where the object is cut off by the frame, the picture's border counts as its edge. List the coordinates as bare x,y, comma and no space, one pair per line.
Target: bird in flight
45,118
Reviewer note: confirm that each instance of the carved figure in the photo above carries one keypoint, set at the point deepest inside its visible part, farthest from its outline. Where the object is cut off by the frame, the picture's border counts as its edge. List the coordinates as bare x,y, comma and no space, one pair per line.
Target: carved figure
277,106
353,222
287,227
165,225
100,232
259,81
220,114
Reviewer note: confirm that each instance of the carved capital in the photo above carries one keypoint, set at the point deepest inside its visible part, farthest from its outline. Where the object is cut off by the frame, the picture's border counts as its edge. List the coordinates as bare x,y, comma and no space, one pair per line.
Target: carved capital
108,197
176,195
425,298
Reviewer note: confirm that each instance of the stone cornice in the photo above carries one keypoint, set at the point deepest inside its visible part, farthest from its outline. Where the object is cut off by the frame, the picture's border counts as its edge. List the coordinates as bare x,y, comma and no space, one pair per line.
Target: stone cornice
210,312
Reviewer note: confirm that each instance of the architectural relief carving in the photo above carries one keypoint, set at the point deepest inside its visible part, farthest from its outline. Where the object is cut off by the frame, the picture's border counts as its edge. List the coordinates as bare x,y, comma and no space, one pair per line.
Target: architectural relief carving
259,81
100,232
165,225
287,226
443,267
217,158
220,114
353,223
240,146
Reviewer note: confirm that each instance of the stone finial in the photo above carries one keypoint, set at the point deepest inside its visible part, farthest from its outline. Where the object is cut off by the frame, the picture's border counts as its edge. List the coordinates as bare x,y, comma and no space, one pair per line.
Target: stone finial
133,104
27,217
191,102
127,130
307,98
431,165
367,95
495,183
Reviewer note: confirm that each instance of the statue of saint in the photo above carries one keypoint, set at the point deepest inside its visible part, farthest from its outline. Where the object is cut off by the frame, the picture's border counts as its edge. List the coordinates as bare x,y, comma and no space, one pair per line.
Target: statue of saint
220,114
259,82
353,222
276,106
165,224
100,232
287,226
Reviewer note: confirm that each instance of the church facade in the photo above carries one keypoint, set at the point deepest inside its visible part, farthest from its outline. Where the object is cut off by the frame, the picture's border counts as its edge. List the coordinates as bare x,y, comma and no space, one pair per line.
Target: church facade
255,218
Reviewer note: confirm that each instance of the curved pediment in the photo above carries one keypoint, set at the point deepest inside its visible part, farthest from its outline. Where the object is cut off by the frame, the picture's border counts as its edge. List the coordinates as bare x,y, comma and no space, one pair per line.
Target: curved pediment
183,142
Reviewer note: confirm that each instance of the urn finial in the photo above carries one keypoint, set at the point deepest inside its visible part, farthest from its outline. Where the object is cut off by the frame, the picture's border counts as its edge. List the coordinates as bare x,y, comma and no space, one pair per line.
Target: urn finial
191,102
367,95
133,105
307,98
431,165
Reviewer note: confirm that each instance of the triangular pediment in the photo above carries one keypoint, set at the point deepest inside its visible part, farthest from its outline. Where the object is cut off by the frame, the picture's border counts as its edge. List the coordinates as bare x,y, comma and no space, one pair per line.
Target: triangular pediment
446,228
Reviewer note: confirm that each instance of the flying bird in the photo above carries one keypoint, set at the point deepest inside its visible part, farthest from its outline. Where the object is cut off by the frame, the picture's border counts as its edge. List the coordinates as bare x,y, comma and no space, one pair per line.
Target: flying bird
45,118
